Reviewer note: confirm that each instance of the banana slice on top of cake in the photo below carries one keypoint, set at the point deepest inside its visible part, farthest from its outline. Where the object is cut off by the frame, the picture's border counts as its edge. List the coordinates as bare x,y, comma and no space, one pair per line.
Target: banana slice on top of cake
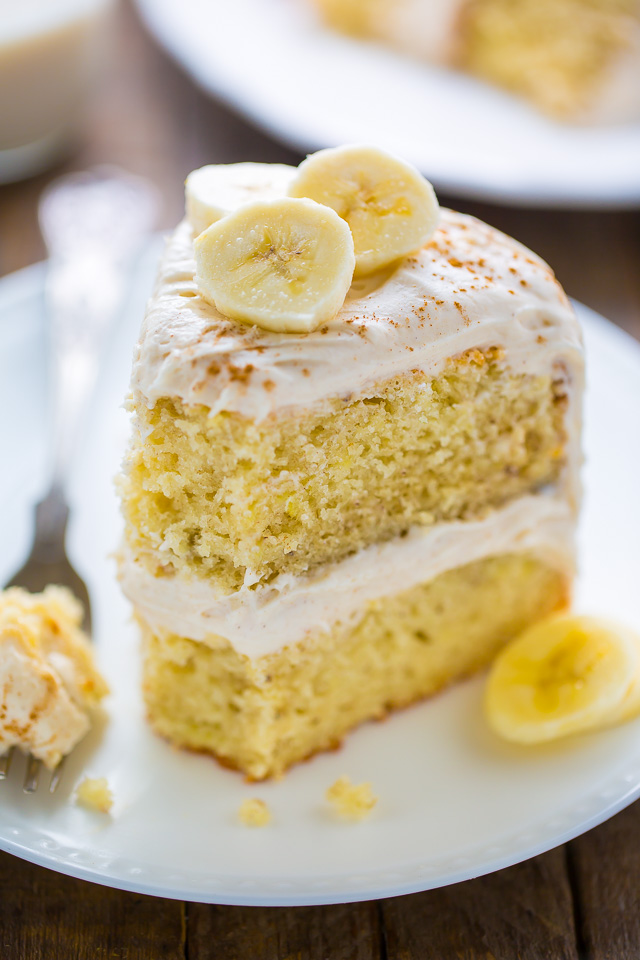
48,679
328,524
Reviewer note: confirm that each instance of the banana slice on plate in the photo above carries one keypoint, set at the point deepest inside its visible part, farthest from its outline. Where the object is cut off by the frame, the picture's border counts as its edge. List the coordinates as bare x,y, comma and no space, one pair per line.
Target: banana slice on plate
564,675
216,190
630,706
284,265
389,206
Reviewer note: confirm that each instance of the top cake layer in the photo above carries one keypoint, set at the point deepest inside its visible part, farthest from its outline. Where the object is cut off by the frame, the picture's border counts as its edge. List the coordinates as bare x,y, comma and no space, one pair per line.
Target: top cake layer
444,388
470,287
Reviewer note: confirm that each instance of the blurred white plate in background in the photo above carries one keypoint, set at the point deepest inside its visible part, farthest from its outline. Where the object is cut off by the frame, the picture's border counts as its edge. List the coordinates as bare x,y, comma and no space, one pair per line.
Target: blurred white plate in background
454,801
271,61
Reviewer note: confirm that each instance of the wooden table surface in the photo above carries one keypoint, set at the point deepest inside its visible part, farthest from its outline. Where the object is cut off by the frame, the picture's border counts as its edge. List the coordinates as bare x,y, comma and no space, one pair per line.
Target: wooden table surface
578,901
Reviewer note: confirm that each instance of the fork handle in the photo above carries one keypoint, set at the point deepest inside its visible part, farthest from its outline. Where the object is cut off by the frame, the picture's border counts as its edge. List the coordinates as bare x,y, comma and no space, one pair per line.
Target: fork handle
52,514
92,224
82,297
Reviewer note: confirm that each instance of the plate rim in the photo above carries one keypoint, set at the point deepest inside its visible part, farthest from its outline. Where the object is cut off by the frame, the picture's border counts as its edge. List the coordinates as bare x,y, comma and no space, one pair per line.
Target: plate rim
356,895
154,16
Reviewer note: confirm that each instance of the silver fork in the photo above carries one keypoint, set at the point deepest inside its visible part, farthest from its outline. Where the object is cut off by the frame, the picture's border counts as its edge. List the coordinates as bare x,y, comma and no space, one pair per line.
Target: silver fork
93,223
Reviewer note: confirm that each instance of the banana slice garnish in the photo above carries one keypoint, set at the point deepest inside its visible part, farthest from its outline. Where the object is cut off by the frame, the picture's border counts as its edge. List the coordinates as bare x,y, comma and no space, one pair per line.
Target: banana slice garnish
562,676
389,206
285,265
214,191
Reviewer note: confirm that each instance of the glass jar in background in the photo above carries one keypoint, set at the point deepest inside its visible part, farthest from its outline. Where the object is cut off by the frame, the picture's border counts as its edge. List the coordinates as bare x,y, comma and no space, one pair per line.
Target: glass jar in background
51,53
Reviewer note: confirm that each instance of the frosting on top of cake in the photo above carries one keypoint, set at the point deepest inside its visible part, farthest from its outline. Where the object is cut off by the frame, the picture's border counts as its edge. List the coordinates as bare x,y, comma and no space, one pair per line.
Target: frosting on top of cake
470,287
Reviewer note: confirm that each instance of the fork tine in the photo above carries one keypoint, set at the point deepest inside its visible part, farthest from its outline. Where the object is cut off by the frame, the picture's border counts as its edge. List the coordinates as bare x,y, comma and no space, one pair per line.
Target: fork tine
56,775
5,763
32,775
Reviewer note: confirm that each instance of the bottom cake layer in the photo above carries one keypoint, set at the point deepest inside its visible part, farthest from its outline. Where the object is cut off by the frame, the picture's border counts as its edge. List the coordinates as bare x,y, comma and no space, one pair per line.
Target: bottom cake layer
262,715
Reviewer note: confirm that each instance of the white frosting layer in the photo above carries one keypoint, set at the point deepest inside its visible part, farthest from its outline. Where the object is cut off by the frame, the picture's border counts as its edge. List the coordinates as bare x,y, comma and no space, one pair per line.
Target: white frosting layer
262,621
471,286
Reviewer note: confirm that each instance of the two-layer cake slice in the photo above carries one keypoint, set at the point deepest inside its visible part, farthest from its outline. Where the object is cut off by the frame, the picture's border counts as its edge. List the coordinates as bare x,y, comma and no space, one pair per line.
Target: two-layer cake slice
323,527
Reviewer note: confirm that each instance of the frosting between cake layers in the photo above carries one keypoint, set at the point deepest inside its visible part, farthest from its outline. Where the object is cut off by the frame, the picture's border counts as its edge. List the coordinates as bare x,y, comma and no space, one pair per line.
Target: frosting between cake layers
261,621
469,287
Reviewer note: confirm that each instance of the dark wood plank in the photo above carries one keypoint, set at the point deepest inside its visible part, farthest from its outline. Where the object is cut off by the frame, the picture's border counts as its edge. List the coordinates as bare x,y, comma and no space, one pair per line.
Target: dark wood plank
605,868
525,912
46,916
341,932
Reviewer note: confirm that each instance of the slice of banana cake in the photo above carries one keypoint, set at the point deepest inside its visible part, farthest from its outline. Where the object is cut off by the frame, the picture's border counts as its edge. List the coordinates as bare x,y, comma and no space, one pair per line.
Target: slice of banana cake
353,468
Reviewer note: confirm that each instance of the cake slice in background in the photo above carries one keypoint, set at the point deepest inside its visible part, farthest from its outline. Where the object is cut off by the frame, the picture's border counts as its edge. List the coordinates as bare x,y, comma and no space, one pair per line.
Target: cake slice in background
323,527
577,60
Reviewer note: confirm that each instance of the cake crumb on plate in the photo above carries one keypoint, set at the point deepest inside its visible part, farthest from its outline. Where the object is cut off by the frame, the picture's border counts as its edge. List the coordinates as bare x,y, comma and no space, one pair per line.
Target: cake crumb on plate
354,801
254,813
95,794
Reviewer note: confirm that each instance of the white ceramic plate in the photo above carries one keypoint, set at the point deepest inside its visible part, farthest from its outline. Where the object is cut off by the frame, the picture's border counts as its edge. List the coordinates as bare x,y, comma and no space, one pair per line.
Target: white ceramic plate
454,801
273,62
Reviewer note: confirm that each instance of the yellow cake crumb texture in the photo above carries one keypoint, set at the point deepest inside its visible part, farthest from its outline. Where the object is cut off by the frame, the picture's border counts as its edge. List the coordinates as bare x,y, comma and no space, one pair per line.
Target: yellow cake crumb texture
254,812
95,794
288,494
352,801
553,51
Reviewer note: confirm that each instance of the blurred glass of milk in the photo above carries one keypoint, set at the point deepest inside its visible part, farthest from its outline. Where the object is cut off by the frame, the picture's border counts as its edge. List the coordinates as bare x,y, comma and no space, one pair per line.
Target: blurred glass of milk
51,52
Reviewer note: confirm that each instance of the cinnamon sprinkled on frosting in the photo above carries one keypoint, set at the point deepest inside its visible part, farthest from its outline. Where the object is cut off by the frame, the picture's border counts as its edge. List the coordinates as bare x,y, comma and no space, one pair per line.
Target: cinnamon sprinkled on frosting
455,293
